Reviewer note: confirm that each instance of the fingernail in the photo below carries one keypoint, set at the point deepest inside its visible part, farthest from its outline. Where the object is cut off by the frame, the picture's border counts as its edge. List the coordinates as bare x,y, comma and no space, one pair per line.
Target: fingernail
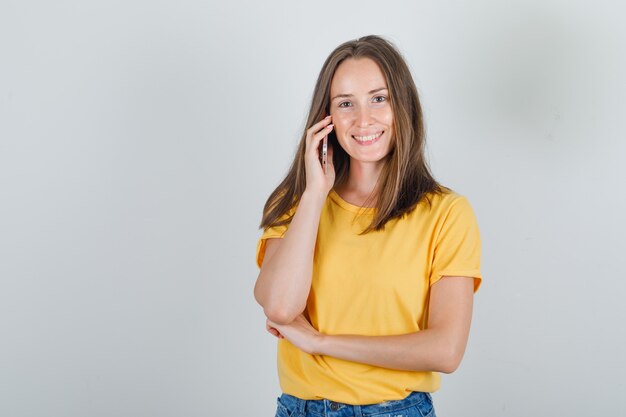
330,125
327,117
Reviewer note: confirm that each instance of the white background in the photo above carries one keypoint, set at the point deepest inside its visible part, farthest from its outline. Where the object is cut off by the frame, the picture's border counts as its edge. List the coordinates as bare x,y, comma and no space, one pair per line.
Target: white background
140,139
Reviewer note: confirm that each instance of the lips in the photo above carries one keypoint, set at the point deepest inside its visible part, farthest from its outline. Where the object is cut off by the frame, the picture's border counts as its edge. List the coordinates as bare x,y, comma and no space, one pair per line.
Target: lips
369,139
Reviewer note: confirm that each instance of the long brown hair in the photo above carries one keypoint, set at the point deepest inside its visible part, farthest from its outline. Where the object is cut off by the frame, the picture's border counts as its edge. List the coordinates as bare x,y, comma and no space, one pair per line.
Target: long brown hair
405,178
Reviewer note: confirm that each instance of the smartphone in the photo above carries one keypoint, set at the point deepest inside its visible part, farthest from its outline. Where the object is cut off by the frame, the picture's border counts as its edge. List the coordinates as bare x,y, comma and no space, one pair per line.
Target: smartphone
324,153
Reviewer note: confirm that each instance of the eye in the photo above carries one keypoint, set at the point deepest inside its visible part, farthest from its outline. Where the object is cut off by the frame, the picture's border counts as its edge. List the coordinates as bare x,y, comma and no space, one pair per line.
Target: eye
381,97
344,102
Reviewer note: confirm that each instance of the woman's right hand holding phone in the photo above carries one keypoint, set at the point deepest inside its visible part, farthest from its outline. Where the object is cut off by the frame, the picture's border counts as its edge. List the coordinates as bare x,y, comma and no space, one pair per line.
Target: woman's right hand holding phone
316,179
284,281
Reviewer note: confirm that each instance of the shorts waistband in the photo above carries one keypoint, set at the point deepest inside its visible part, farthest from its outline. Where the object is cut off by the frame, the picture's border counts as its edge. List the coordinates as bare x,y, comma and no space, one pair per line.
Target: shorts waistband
324,407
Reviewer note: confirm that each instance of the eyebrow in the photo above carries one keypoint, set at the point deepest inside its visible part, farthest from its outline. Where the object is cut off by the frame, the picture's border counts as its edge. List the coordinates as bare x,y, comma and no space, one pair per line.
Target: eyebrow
350,95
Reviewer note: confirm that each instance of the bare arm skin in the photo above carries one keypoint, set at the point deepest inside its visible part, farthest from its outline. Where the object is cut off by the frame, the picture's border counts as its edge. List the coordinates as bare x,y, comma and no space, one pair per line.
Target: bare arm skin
284,282
438,348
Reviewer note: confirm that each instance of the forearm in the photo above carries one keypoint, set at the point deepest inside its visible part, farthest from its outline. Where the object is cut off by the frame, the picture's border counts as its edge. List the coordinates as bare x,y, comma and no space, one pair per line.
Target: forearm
427,350
284,281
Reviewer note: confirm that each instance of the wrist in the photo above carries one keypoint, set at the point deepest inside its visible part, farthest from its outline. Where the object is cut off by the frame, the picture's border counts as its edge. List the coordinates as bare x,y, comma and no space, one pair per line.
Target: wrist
314,197
321,343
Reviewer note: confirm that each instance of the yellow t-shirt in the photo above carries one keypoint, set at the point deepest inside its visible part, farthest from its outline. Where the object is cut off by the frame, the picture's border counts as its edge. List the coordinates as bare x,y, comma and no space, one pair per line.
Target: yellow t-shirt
376,284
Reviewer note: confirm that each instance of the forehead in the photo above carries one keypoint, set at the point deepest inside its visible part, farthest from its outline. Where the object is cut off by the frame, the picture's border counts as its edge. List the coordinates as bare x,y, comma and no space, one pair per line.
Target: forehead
357,75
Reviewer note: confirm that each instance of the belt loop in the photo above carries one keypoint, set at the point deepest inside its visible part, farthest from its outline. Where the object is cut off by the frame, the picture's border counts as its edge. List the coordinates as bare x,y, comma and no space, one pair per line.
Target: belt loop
302,407
357,411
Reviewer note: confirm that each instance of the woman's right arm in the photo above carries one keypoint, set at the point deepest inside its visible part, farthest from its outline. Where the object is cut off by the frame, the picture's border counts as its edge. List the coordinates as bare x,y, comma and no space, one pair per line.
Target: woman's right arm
284,281
283,285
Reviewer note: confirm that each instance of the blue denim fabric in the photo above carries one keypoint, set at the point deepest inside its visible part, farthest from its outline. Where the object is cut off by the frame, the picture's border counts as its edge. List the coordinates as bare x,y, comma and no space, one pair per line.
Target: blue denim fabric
417,404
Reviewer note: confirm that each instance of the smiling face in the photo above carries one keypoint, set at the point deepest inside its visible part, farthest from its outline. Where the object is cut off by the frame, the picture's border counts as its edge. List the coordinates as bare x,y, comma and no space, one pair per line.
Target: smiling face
361,110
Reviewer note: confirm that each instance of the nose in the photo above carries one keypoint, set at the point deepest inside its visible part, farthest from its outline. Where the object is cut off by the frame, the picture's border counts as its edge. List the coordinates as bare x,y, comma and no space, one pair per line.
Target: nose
364,116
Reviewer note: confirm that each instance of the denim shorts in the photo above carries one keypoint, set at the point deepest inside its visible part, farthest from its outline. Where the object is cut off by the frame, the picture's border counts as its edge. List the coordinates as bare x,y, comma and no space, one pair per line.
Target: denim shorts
416,404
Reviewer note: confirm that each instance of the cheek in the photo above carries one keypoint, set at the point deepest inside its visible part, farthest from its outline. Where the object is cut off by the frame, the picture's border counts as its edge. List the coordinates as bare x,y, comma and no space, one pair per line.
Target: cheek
342,134
389,117
341,124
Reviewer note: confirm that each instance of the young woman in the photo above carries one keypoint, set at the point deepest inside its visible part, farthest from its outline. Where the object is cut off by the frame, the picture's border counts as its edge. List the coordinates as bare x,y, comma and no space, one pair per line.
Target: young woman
367,270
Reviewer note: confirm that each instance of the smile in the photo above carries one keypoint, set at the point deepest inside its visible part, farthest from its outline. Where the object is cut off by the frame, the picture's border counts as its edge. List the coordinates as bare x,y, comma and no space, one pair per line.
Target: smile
368,140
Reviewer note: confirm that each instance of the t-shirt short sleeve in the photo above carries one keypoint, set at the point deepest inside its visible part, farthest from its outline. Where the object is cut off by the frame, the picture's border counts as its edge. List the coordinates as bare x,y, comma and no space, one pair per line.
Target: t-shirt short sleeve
457,247
269,233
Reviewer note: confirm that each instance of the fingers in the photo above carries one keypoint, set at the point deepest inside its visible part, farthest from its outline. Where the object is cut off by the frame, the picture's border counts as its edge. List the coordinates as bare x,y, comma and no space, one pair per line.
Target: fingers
317,132
272,330
320,125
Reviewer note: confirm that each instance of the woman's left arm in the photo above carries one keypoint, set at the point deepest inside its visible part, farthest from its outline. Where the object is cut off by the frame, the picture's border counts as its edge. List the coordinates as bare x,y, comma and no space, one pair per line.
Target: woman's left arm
439,347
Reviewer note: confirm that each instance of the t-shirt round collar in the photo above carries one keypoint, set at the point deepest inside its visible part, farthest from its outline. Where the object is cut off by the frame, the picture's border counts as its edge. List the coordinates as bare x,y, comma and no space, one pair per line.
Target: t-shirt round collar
348,206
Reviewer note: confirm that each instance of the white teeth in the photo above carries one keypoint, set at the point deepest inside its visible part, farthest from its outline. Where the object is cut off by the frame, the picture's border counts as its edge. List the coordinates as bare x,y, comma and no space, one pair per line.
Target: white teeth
367,138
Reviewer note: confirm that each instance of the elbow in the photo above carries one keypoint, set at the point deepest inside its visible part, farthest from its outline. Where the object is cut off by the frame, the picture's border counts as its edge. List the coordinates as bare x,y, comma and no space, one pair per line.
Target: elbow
277,308
450,360
278,312
281,315
448,367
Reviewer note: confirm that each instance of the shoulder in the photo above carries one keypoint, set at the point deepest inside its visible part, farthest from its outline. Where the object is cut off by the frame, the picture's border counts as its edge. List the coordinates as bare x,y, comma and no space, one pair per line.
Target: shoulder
453,214
446,201
440,210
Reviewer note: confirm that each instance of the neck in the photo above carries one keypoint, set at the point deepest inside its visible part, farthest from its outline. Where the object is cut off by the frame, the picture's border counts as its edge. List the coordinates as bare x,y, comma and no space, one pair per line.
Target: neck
362,178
